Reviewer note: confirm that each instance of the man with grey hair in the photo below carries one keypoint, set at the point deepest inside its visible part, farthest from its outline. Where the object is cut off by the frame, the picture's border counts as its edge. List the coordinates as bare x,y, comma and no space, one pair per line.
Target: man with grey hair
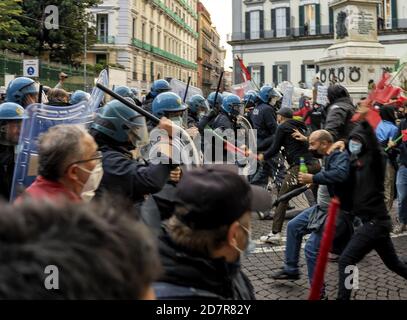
69,165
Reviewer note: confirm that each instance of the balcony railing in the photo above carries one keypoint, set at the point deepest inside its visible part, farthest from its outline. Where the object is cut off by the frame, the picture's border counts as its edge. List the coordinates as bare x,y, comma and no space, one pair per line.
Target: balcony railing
304,32
175,17
106,40
145,46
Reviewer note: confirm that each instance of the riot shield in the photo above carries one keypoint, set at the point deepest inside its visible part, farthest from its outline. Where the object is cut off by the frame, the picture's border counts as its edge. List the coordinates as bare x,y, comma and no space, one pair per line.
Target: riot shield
180,87
39,118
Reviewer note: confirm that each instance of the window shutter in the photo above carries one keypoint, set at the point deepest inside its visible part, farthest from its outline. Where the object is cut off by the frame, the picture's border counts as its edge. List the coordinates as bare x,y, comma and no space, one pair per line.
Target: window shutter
275,75
261,76
303,72
261,15
302,20
394,21
318,17
288,20
273,22
247,25
285,72
331,20
250,71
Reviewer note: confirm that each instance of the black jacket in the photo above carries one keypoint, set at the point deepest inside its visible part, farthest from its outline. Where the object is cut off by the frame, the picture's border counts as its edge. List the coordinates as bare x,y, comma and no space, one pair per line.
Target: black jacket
189,276
337,176
264,121
129,178
293,149
6,170
223,122
339,115
368,175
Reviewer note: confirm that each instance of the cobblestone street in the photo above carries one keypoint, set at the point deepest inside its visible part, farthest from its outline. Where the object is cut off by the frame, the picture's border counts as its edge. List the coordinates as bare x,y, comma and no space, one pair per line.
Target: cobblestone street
375,280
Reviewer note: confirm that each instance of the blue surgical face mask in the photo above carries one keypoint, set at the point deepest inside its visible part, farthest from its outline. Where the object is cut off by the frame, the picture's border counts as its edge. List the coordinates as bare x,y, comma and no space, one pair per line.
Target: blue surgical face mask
355,147
251,245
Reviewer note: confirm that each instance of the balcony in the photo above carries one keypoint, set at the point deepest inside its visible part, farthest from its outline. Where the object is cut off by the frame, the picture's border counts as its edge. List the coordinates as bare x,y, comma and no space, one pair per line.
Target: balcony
207,48
105,40
207,65
162,53
174,16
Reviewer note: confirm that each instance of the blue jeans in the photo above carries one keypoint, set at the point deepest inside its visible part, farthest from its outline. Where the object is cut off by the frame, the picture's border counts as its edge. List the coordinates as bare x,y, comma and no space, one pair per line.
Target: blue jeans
402,193
296,229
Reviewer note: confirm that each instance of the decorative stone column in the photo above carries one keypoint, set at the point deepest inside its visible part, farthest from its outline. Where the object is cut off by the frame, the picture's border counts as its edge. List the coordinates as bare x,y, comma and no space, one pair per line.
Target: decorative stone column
356,56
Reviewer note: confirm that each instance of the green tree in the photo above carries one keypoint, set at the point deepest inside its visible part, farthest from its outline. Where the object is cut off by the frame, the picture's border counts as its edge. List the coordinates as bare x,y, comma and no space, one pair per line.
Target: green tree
10,27
65,44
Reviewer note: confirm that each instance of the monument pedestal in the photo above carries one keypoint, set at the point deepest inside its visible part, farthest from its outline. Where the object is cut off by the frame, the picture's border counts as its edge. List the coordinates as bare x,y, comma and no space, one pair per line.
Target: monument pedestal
356,56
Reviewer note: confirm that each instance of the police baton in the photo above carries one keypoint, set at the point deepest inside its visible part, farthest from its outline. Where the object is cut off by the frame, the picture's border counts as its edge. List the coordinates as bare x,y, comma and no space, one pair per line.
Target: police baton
186,90
217,90
291,194
131,105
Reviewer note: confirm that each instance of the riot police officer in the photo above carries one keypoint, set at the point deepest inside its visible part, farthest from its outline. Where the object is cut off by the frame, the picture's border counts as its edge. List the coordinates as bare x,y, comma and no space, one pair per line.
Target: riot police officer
249,100
198,107
79,96
159,86
126,92
23,91
11,116
119,130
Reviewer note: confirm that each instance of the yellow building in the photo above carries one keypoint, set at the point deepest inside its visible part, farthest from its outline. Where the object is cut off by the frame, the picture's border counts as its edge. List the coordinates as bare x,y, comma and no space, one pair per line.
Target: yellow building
151,39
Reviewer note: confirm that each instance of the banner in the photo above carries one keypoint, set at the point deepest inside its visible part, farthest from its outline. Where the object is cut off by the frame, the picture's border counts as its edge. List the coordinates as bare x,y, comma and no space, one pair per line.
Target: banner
322,95
241,89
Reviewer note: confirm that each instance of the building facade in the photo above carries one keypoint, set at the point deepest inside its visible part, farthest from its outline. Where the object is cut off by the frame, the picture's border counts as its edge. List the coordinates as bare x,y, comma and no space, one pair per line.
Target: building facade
151,39
211,56
281,40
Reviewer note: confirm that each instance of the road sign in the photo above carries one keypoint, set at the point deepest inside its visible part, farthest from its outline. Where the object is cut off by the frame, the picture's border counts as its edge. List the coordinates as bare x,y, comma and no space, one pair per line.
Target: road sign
31,68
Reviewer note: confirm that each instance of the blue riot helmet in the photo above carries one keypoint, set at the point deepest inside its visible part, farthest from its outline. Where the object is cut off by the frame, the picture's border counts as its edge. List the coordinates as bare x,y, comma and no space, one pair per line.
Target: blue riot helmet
11,116
266,94
23,91
232,105
159,86
121,123
124,92
79,96
198,105
250,97
169,104
211,100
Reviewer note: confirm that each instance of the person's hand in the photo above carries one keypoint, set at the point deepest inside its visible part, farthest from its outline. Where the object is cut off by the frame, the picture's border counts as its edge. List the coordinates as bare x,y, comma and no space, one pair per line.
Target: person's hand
175,175
167,125
193,132
391,144
339,145
299,136
260,157
304,178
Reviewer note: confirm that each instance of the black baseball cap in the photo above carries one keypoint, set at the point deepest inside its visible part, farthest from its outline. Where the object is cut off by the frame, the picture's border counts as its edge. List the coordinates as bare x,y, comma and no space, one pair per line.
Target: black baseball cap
286,112
214,196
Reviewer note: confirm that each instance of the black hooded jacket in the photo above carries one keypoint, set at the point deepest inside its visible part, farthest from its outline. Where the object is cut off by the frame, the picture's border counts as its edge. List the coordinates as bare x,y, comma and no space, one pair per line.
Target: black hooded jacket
190,276
339,113
293,149
368,170
6,170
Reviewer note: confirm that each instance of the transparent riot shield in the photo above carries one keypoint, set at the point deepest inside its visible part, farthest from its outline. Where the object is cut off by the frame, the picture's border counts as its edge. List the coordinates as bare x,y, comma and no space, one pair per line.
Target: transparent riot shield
180,87
38,119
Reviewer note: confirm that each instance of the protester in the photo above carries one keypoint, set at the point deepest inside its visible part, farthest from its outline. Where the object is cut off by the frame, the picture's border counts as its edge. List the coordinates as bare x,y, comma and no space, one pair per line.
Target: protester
11,116
202,244
54,251
58,97
62,77
69,165
304,112
293,151
368,173
386,133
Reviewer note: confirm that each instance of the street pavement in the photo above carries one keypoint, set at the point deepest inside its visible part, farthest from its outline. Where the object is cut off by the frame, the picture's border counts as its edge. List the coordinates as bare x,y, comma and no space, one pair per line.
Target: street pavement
376,282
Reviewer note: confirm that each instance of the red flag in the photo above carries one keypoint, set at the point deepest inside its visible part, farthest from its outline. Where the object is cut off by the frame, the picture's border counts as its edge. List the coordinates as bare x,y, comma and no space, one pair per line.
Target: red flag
246,74
404,133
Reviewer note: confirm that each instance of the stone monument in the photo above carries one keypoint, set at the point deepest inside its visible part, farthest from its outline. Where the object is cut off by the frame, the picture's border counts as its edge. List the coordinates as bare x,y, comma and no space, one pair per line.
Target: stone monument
356,56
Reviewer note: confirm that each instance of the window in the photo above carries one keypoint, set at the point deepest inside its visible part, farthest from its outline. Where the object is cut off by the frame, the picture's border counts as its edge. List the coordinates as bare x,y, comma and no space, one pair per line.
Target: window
102,27
256,74
152,71
158,39
152,36
135,68
144,70
255,25
387,14
310,21
134,28
143,32
281,22
280,73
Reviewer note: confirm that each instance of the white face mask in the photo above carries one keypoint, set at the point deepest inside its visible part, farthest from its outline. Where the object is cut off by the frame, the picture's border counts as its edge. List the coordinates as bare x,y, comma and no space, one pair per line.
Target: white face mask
93,182
177,121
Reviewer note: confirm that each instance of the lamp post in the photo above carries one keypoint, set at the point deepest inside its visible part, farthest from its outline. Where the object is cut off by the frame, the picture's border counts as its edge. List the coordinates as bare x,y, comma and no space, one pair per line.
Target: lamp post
85,58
